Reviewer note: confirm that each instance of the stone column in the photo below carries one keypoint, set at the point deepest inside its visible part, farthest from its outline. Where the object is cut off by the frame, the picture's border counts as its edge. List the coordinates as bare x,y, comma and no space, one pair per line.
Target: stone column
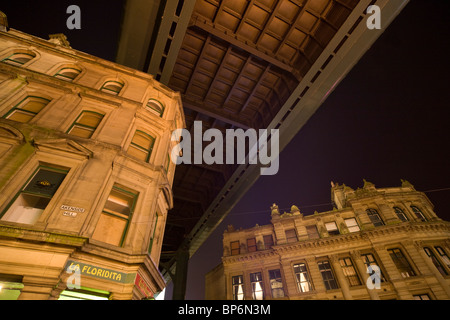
315,276
341,277
356,256
37,288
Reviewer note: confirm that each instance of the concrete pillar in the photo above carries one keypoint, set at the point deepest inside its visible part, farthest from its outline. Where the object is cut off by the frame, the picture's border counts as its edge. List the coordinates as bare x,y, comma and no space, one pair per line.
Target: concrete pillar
345,288
180,278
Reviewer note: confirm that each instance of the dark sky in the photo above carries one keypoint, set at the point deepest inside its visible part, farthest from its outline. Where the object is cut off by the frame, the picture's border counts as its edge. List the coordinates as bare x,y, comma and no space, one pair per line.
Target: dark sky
386,121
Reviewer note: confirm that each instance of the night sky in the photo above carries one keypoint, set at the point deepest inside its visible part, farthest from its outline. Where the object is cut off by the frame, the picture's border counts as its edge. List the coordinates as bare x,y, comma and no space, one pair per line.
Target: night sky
386,121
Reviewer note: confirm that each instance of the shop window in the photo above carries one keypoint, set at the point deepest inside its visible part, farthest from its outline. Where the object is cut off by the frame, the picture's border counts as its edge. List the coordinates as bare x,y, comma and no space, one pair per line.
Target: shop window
251,245
257,286
400,214
349,271
401,263
18,59
302,277
67,73
238,287
113,223
332,228
327,275
86,124
34,197
10,287
112,87
375,217
141,146
155,107
84,294
352,225
235,248
291,235
27,109
276,283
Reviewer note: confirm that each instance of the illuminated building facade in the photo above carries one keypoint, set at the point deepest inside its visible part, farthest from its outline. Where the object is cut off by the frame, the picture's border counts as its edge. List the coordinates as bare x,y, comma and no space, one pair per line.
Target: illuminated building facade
377,243
86,177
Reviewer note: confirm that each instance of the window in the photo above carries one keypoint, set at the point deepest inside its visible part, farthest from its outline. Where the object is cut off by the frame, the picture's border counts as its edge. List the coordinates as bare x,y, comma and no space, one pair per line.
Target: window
400,214
312,232
238,287
352,225
421,297
332,228
19,58
141,145
349,271
86,123
443,255
369,260
116,215
418,213
435,261
112,87
268,241
302,277
327,275
257,286
276,284
34,197
67,73
155,107
291,235
251,245
374,217
401,263
235,248
27,109
84,294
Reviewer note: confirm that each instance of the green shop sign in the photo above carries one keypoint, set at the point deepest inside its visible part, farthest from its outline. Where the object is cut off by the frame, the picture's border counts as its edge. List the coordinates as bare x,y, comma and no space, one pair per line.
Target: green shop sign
99,272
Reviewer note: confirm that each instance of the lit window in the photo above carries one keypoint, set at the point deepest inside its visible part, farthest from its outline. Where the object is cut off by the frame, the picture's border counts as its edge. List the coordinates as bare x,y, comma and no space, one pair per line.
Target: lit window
257,286
268,241
67,73
86,123
291,235
155,107
34,197
116,215
374,217
276,284
312,232
84,294
238,287
302,277
435,261
421,297
349,272
251,245
401,263
352,225
27,109
443,256
141,145
235,248
327,275
332,228
19,58
400,214
369,260
112,87
418,213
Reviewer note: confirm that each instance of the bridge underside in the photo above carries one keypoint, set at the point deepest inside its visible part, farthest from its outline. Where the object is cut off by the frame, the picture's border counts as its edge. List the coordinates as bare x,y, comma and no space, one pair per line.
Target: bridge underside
241,64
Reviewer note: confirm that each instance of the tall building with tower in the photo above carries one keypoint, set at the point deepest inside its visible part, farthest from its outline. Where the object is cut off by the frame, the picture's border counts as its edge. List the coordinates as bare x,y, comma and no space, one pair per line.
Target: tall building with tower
376,243
86,176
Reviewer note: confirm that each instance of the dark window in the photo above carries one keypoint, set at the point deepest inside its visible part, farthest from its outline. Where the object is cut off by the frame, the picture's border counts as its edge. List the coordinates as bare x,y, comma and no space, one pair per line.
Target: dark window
418,213
268,241
374,217
443,256
235,248
276,283
327,275
251,245
291,235
435,261
401,263
400,214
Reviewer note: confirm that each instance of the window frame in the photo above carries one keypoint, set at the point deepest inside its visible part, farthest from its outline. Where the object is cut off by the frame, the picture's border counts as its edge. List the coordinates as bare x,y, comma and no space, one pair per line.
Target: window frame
332,232
253,282
60,74
400,212
439,266
372,262
352,226
374,214
306,276
240,287
23,103
418,213
236,250
276,276
253,246
350,272
16,63
155,111
292,236
312,235
76,123
268,244
329,272
121,84
401,263
148,151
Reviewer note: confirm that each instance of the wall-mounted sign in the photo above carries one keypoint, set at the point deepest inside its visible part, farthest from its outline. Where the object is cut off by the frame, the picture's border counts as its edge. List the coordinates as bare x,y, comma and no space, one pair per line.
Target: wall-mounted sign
70,211
140,283
99,272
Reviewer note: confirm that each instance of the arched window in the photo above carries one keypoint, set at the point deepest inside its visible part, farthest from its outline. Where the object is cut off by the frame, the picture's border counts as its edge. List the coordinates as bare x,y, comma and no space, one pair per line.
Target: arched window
400,214
418,213
19,58
141,145
156,107
27,109
375,217
112,87
86,123
67,73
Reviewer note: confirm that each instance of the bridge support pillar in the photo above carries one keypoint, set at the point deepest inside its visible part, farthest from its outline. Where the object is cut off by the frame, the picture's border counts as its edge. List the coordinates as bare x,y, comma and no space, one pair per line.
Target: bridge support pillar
180,278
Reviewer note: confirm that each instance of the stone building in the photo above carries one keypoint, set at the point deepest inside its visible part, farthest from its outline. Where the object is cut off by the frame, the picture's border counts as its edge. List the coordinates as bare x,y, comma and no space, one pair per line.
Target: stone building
86,177
377,243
